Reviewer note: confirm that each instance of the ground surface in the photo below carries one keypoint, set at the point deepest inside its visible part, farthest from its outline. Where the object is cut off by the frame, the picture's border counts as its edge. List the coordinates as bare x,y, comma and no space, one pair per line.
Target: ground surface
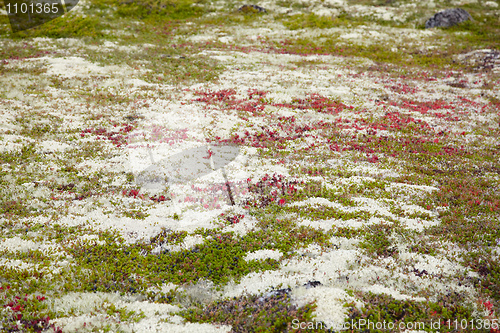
366,185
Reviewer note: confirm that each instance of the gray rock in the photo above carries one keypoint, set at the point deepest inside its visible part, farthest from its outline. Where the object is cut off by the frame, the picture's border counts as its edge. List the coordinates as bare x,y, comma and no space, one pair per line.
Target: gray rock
447,18
252,9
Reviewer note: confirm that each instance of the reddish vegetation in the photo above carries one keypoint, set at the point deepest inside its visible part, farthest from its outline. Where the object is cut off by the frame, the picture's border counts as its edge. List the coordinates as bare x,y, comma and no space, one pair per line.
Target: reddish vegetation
317,103
234,218
398,121
491,316
135,193
118,138
131,193
228,97
456,193
157,198
282,129
270,189
267,136
403,88
16,320
424,107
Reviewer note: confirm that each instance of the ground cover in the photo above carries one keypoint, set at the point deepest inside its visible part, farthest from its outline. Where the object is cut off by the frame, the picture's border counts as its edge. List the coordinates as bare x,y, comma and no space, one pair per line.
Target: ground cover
366,186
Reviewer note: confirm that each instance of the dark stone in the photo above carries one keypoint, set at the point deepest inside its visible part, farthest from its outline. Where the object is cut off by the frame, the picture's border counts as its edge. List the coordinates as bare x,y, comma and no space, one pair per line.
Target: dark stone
132,117
252,9
312,284
275,293
486,59
447,18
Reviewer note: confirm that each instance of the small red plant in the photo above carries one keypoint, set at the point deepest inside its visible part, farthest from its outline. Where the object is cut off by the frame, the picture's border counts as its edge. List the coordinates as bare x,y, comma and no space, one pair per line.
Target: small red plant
318,103
269,189
235,218
131,193
491,316
157,198
403,88
25,314
118,138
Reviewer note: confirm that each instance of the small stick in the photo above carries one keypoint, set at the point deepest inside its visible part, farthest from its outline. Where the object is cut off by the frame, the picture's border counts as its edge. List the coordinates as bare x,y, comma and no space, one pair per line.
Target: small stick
229,192
228,186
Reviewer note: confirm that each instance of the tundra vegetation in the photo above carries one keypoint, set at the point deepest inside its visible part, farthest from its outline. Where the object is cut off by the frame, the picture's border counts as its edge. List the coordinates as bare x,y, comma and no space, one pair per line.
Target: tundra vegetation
367,185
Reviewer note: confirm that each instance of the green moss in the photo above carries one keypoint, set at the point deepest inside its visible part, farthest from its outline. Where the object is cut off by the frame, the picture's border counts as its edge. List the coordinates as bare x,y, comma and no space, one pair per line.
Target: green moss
380,308
486,264
170,64
162,10
27,313
38,126
415,215
30,256
377,241
466,179
27,281
115,267
67,26
137,214
310,20
123,314
481,33
346,232
253,313
471,203
325,213
166,236
220,259
424,247
12,207
378,53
